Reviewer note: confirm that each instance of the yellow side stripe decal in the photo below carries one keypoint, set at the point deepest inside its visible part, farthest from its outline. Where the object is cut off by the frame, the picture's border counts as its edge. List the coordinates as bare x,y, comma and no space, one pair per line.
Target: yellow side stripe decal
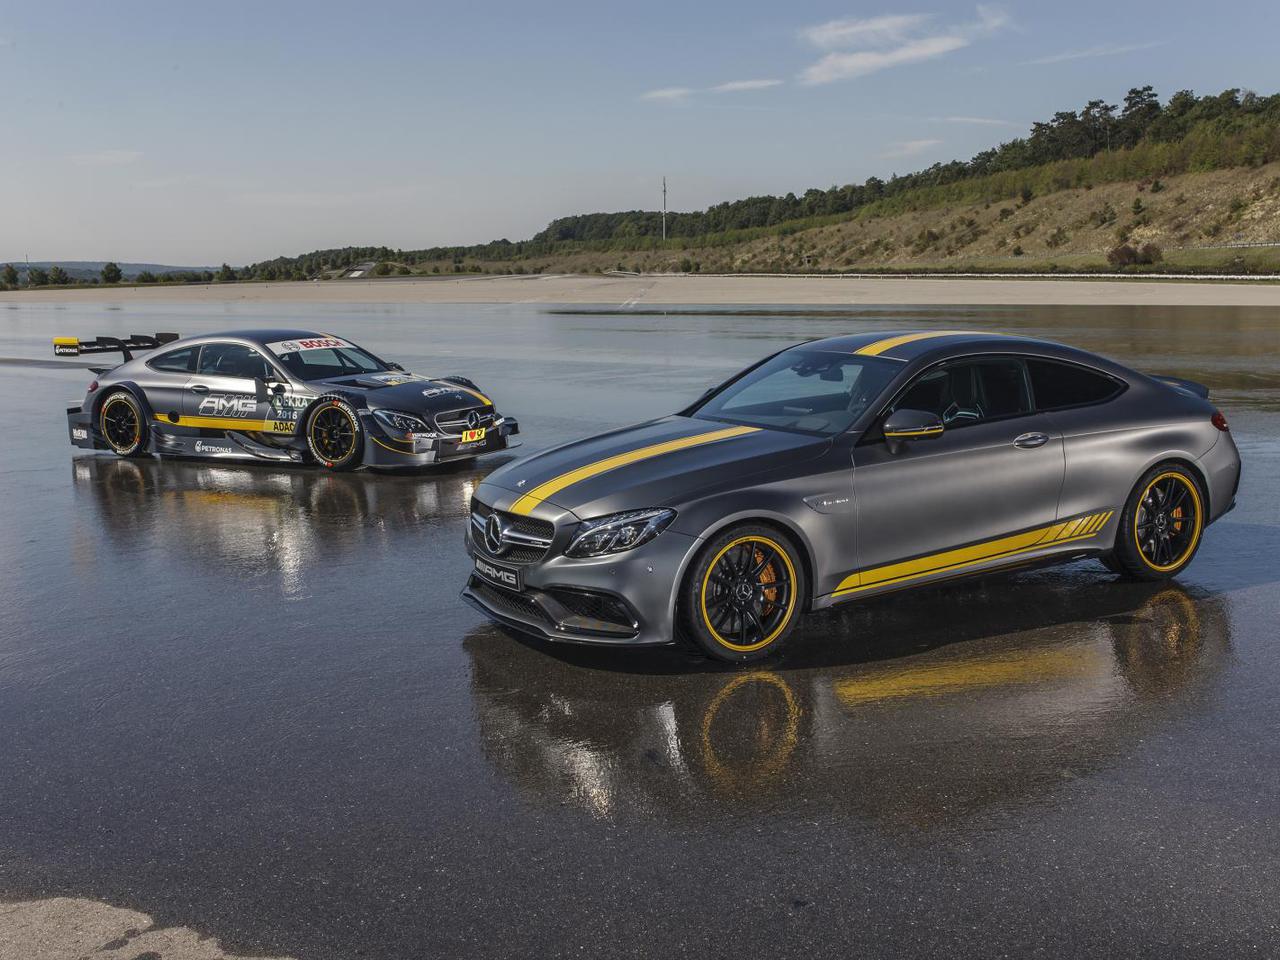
1081,528
543,491
881,346
225,423
67,341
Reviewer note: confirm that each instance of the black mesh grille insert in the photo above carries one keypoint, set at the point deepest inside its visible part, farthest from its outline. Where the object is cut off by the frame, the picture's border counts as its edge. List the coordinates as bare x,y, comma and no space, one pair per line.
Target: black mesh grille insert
594,606
513,604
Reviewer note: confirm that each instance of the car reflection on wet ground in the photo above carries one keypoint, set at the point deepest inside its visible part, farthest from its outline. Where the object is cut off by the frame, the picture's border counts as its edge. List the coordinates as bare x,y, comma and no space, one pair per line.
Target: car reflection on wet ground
244,701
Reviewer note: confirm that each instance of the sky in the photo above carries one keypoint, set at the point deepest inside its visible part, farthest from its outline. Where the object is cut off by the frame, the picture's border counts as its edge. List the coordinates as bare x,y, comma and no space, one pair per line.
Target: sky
195,134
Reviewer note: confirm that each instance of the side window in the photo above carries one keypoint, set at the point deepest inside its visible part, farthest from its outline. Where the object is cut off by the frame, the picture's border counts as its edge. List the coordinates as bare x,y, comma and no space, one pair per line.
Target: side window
1059,385
233,360
970,391
175,361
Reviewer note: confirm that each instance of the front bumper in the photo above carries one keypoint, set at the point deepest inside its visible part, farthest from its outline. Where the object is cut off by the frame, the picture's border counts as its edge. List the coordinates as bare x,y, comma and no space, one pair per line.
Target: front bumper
384,451
642,582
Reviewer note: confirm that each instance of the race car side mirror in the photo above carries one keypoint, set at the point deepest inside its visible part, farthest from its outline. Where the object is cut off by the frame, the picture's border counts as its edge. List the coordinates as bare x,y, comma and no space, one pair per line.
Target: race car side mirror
904,426
392,365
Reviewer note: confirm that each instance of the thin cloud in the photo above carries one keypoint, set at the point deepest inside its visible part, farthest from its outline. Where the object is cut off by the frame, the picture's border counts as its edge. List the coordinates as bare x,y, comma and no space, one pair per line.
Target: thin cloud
979,121
911,148
668,94
1101,50
106,158
736,86
869,46
848,66
870,32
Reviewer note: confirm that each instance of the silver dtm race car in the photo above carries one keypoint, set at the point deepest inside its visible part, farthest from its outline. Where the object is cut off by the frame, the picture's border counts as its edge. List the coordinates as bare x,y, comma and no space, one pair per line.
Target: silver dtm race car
842,469
279,395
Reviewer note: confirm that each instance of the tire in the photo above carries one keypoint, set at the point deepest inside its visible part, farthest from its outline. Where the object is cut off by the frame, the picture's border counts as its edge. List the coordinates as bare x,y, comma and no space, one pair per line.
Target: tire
334,435
742,597
122,424
1111,563
1161,526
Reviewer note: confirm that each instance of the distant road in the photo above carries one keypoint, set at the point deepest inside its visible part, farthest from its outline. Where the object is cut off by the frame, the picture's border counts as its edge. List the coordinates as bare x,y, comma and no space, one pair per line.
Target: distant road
647,290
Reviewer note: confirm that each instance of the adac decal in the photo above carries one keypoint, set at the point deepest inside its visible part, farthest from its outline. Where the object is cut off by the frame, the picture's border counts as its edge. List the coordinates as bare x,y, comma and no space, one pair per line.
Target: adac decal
1067,531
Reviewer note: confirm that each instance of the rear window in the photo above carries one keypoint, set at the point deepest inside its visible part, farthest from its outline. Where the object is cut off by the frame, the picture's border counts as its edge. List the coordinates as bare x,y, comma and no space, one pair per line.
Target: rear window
175,361
1059,385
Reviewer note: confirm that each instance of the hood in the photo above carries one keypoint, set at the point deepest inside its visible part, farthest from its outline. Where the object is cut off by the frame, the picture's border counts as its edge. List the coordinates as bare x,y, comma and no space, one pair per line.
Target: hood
408,392
660,463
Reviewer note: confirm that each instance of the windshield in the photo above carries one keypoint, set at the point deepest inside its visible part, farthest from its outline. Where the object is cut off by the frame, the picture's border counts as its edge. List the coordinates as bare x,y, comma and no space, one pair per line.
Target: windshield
320,358
808,391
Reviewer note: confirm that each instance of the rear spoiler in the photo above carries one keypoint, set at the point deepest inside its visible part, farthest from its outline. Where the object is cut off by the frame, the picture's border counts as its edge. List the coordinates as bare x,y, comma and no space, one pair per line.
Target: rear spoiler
1186,386
73,347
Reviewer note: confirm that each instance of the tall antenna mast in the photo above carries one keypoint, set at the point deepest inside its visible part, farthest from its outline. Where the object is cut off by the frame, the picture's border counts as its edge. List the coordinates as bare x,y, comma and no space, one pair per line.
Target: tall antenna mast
664,208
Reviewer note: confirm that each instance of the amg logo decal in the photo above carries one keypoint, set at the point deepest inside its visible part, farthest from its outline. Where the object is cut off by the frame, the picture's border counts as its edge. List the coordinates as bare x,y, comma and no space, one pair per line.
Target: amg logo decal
497,574
228,406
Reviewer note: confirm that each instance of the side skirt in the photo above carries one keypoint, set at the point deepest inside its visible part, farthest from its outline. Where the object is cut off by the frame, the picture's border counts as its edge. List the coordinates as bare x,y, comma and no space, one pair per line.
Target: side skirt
223,445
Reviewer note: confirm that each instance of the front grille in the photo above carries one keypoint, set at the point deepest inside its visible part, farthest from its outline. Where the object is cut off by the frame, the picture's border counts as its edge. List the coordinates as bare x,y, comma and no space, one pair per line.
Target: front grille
455,421
512,604
528,526
594,606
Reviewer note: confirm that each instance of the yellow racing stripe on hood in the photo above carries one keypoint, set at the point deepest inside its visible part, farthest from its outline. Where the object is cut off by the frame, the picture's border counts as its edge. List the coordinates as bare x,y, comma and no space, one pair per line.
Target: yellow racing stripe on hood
881,346
549,489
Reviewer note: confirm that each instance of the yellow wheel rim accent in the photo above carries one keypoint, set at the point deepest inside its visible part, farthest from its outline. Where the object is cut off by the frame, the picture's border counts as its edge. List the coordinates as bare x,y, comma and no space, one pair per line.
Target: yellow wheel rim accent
1197,521
137,422
791,605
355,431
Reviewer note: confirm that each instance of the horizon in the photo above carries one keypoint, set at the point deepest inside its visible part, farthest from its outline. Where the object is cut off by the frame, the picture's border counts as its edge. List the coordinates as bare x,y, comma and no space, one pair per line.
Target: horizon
173,139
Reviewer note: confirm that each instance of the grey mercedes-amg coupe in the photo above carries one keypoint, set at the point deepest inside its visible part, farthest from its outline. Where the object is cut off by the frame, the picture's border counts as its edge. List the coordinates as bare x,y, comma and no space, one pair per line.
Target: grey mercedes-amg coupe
845,468
278,395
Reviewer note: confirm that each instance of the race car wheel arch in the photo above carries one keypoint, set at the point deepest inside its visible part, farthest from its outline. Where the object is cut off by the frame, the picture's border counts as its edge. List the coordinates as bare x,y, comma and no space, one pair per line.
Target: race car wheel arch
743,594
334,434
121,417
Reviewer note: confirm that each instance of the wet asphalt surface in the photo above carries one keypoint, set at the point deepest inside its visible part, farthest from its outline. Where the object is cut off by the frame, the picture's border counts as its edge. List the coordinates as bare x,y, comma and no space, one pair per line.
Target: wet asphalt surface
246,699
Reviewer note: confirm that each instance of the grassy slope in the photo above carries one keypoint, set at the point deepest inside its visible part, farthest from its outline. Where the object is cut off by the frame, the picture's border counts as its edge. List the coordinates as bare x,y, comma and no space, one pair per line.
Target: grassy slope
1066,229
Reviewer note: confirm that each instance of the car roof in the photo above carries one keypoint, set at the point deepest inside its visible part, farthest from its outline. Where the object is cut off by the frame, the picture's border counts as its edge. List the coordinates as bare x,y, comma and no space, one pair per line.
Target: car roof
268,335
909,346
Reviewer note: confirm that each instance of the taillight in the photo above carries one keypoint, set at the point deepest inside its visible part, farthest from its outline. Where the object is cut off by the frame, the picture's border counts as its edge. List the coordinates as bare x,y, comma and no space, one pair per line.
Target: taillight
1219,421
94,386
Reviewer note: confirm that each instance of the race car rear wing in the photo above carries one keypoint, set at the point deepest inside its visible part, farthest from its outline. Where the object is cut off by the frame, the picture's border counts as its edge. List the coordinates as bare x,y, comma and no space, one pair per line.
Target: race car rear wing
73,347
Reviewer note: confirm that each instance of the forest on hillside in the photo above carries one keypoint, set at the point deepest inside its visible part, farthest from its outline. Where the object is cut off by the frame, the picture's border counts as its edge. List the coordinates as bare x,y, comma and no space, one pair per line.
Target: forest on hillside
1142,137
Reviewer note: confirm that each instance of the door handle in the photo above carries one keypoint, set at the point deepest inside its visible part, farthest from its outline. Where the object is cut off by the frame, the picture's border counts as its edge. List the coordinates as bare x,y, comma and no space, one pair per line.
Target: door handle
201,388
1029,441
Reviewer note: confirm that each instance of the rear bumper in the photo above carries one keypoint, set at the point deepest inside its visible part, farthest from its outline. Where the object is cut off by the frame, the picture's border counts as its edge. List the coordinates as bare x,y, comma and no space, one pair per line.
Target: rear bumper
383,451
1221,467
80,430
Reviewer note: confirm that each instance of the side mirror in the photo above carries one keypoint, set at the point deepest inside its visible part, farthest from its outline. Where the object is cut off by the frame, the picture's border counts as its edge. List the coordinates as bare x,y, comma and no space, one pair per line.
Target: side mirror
392,365
266,388
902,426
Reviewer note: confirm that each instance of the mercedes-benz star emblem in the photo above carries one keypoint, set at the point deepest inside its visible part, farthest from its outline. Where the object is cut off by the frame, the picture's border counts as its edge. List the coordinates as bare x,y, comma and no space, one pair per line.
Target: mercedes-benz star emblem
473,419
494,535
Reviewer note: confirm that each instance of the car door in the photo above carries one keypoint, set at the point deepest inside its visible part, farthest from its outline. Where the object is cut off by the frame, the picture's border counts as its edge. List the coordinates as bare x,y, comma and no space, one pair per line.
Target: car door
996,470
228,386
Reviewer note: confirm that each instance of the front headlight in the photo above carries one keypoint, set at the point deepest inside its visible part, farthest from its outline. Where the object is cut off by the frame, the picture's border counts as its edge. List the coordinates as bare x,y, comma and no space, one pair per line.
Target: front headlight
618,532
399,424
